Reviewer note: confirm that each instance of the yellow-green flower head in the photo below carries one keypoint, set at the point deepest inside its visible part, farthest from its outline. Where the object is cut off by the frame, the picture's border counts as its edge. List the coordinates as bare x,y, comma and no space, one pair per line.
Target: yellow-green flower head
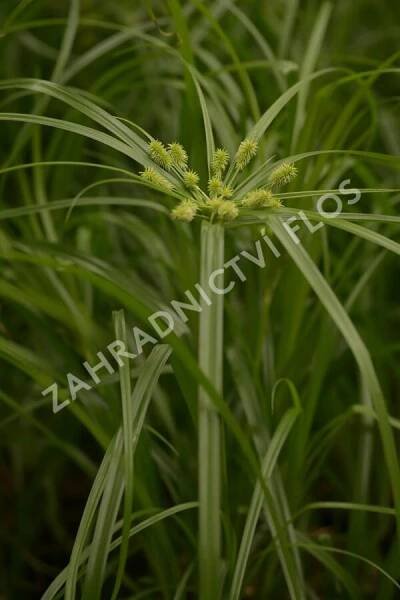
160,154
216,187
178,155
260,198
219,161
227,192
211,204
247,150
190,179
152,176
224,209
282,175
227,210
185,211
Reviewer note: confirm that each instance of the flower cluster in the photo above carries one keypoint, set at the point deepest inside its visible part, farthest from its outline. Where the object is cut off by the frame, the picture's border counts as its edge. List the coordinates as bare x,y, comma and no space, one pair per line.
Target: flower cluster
178,155
224,209
185,211
282,175
246,152
223,200
155,178
190,179
161,155
217,188
261,198
219,162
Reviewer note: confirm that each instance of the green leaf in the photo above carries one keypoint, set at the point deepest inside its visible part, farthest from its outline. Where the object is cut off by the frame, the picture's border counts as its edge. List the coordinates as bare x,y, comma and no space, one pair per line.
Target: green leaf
357,346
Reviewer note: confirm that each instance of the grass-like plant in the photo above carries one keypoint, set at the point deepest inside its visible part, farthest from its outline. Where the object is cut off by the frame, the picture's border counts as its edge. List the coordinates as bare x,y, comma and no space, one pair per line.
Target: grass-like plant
252,451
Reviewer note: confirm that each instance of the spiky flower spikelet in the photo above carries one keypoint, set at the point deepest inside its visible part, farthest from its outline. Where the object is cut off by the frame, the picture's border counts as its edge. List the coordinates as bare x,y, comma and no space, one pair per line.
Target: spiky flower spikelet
227,210
212,204
216,187
261,198
190,179
185,211
224,209
219,161
160,154
150,175
282,175
178,155
246,151
227,192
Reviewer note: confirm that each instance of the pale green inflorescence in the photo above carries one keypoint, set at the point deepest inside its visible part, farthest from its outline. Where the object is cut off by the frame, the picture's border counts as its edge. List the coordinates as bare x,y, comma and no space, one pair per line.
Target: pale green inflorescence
190,179
261,198
246,152
219,202
185,211
153,177
227,210
282,175
220,161
178,155
216,187
160,154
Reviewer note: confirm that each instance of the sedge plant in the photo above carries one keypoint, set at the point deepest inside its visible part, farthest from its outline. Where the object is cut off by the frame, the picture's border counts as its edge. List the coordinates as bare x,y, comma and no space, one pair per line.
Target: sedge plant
251,452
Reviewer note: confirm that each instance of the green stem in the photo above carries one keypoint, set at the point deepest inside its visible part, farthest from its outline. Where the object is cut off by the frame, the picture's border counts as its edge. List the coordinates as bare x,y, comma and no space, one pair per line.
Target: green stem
211,362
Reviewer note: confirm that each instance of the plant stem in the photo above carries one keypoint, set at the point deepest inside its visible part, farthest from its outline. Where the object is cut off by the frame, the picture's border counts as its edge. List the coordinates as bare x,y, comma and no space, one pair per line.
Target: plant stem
209,459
